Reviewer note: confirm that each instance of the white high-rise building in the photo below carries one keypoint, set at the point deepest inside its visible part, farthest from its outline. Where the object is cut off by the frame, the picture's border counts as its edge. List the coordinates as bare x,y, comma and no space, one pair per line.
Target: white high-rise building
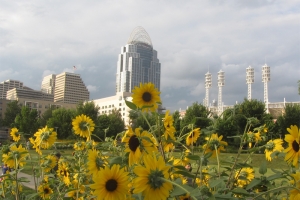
48,84
137,63
8,85
69,88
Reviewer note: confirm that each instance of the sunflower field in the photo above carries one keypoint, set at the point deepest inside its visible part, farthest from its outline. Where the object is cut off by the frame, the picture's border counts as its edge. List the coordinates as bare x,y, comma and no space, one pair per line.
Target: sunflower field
151,164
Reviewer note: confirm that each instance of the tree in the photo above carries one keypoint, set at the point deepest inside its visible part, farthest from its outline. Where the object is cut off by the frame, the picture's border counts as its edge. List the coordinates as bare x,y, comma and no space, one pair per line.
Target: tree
116,124
177,122
46,116
89,109
27,121
247,109
61,121
102,124
290,117
12,110
196,114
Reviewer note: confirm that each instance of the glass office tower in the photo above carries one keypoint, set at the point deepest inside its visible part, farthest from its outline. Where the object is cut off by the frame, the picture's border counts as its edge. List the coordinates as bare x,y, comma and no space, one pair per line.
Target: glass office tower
137,62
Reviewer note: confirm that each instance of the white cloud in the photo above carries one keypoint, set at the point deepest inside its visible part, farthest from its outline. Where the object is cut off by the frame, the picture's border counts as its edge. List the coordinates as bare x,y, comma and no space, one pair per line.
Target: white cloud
39,37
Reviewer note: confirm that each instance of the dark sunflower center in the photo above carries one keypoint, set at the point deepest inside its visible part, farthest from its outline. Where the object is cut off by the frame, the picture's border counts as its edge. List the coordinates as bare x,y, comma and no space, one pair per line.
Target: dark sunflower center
146,97
111,185
134,143
46,190
295,146
65,172
154,179
83,126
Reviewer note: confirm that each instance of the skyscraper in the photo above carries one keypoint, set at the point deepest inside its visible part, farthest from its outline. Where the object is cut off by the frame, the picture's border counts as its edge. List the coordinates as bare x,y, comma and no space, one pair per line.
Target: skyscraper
48,84
137,62
8,85
69,88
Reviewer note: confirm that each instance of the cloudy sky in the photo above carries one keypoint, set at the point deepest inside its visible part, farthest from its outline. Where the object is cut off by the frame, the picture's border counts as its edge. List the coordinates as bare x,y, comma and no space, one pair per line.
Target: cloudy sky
38,38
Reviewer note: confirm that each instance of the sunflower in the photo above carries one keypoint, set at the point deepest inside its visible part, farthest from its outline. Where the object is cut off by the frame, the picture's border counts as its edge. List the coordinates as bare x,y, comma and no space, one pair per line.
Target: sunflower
45,191
253,137
244,176
49,162
63,172
192,136
149,178
136,144
15,157
146,95
45,137
16,136
95,161
294,193
169,128
35,146
77,188
212,142
79,146
292,151
168,146
204,180
83,126
110,183
273,146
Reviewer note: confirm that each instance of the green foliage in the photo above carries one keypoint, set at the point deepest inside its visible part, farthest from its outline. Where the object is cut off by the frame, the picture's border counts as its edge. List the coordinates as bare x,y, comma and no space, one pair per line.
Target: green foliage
137,120
62,121
27,121
89,109
46,116
177,122
12,110
198,115
290,117
116,124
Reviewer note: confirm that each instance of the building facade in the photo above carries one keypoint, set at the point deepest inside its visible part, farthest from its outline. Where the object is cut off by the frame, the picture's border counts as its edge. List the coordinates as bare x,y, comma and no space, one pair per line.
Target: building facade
8,85
117,102
48,84
137,62
69,88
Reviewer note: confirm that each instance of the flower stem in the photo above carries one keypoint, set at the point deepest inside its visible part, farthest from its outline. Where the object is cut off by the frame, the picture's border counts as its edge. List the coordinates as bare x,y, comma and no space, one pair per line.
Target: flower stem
217,155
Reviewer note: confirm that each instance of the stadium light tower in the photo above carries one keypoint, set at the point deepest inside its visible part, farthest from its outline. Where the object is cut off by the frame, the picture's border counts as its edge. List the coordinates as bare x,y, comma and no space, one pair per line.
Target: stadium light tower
221,83
207,86
249,79
265,80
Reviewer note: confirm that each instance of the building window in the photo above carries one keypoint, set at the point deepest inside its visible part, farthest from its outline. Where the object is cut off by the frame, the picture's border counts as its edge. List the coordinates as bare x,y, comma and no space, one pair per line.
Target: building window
120,104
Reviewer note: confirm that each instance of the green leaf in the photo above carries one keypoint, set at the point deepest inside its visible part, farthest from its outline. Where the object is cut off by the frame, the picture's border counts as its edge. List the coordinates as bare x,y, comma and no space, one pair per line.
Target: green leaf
131,105
179,167
239,190
214,183
275,176
193,157
116,160
177,191
253,183
263,167
184,173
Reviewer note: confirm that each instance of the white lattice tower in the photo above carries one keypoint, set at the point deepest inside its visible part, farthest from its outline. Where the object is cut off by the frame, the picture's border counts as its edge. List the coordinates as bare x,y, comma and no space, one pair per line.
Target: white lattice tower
208,82
221,83
265,80
249,79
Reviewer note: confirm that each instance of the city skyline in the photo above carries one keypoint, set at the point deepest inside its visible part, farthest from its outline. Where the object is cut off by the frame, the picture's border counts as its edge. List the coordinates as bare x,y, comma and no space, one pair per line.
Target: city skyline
191,38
